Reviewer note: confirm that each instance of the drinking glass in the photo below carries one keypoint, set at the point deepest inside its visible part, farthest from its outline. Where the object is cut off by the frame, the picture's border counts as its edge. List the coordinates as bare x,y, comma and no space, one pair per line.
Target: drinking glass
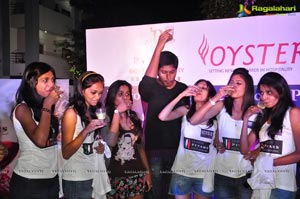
171,28
61,105
101,114
260,105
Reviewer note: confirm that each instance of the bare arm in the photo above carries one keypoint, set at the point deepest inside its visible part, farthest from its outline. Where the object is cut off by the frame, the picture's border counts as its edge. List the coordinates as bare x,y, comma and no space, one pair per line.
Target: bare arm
211,108
70,145
295,124
246,141
152,69
206,112
147,178
169,114
218,145
115,122
38,133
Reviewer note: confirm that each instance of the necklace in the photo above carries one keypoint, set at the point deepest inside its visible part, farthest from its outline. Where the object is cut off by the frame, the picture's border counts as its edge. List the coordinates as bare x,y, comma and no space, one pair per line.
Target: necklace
237,123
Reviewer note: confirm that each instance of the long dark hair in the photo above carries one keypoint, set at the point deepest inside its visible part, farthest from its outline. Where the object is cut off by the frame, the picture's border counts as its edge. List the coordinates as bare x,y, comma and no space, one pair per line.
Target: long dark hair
85,81
211,93
110,103
277,113
27,92
248,99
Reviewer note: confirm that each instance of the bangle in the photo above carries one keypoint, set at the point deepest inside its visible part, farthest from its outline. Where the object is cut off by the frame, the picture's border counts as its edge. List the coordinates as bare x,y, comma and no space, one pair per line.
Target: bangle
212,102
46,110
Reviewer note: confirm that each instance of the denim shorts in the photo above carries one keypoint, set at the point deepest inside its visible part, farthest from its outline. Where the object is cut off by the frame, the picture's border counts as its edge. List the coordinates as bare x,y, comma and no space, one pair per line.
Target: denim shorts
280,193
182,185
77,189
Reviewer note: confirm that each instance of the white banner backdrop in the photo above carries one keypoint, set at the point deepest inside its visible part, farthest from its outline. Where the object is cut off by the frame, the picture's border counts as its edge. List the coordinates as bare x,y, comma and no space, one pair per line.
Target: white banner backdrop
208,49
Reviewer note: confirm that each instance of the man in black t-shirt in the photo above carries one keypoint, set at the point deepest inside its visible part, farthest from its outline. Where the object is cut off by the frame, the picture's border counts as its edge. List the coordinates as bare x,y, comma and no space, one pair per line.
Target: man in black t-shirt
157,88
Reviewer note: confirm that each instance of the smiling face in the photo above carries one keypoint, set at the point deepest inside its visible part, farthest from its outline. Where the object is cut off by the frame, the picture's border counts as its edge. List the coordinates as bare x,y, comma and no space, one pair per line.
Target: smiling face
45,84
166,76
93,93
269,96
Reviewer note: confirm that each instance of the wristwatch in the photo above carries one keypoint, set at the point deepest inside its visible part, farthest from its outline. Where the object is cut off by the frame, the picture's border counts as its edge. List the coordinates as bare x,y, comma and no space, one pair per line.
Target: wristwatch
116,111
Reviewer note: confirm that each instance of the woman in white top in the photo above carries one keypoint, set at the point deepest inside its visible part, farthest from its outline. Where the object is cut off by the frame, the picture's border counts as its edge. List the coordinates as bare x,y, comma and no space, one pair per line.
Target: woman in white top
35,174
278,129
193,158
80,129
230,165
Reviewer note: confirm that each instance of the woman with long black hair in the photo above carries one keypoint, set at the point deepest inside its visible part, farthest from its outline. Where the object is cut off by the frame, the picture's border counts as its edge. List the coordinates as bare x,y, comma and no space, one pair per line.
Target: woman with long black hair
81,129
35,174
277,128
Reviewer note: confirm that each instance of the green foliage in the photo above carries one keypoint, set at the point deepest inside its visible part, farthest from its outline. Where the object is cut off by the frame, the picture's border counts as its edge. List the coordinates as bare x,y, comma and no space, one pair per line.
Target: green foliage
219,9
74,51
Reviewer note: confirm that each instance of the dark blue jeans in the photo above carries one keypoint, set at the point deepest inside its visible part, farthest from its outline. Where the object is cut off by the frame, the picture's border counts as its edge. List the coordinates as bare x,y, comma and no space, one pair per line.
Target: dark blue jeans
231,188
160,162
21,188
77,189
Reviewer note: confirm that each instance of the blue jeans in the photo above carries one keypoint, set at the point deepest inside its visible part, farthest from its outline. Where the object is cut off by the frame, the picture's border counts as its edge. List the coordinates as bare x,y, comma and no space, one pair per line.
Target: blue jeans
280,193
183,185
160,162
77,189
231,188
21,188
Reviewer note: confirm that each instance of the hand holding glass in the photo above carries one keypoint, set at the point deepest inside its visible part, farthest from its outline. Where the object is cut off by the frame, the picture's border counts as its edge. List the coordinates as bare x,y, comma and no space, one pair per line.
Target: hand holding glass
171,31
260,105
101,114
229,89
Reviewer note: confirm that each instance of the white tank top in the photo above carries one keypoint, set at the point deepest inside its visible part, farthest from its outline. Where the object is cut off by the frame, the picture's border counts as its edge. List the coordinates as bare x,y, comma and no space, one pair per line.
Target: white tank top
81,165
34,162
231,163
285,176
192,158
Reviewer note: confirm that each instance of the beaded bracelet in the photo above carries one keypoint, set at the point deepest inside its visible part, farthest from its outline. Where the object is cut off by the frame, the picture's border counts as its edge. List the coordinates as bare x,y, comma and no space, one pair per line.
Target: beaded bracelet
46,109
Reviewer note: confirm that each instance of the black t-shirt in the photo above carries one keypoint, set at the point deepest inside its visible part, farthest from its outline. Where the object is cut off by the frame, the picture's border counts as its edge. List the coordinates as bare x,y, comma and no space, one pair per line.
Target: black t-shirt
126,159
160,134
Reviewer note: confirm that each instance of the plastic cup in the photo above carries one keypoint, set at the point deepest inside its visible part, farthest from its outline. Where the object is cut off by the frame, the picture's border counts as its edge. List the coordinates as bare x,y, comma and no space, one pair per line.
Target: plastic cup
101,114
